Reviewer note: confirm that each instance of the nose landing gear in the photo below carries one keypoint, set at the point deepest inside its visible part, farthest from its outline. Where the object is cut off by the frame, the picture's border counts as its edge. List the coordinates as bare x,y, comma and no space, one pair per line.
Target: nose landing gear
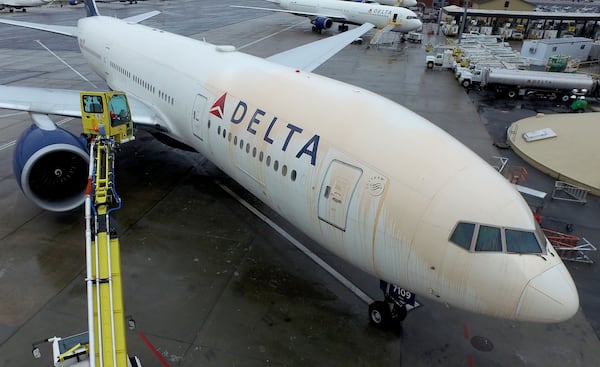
396,303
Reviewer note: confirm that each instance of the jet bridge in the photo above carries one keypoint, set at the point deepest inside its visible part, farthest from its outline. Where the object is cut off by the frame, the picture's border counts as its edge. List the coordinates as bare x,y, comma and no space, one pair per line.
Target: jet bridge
106,120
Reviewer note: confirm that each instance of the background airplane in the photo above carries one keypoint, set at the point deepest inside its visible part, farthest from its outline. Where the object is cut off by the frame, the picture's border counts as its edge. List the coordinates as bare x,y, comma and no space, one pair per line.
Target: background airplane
403,3
356,172
323,13
76,2
21,4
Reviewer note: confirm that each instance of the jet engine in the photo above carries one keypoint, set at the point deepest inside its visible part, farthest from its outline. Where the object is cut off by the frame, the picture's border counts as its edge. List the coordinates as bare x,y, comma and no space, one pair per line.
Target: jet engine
322,23
52,167
73,2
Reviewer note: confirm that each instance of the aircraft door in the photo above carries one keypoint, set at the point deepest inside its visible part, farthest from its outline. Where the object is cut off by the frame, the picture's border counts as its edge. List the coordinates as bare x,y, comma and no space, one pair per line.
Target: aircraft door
395,18
336,193
197,116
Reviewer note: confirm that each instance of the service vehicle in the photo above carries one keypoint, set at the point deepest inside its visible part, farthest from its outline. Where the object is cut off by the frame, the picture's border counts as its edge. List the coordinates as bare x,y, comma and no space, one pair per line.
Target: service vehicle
541,84
444,60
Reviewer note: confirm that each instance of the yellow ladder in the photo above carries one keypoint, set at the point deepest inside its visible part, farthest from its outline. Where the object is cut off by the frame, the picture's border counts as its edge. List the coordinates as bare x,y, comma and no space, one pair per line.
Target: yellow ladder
106,319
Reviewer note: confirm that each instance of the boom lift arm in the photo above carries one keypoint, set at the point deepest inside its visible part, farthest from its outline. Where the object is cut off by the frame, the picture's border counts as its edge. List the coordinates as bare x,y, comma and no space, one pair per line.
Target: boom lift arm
106,120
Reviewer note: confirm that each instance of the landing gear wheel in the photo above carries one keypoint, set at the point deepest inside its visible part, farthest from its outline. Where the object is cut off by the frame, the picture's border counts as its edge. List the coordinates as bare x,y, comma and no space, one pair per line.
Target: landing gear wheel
399,313
379,314
342,28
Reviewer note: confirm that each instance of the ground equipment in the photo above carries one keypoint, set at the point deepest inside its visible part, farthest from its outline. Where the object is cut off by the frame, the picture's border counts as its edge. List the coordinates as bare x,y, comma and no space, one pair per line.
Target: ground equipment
106,120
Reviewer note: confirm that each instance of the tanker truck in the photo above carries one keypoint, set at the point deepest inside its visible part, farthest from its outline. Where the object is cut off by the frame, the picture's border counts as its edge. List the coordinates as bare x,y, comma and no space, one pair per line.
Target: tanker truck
541,84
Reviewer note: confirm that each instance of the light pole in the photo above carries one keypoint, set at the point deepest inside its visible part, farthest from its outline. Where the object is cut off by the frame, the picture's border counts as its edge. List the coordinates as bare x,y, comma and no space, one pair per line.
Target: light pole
464,20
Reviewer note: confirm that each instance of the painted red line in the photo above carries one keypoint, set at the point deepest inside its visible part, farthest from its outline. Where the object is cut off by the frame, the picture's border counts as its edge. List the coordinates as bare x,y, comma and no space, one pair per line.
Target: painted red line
156,353
466,331
470,360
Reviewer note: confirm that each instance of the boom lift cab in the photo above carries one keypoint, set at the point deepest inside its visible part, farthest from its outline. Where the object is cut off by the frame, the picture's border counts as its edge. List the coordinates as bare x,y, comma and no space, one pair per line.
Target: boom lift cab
97,108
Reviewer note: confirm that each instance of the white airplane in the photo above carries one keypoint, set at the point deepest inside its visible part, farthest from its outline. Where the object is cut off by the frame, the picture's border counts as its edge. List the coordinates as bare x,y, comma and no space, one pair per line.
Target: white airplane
21,4
371,181
323,13
76,2
403,3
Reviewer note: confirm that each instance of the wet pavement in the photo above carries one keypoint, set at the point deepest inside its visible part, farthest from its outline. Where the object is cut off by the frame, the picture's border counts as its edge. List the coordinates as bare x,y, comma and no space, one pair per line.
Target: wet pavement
207,282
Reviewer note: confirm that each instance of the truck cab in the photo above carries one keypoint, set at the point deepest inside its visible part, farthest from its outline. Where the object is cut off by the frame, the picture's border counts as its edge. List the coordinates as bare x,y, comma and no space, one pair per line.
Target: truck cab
444,60
470,77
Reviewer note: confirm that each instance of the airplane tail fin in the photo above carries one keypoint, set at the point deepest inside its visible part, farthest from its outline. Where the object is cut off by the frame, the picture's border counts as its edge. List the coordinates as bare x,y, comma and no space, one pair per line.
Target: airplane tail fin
91,8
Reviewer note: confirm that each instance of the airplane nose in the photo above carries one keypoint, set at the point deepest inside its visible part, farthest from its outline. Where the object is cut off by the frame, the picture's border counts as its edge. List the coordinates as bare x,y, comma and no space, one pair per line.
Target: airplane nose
416,24
549,297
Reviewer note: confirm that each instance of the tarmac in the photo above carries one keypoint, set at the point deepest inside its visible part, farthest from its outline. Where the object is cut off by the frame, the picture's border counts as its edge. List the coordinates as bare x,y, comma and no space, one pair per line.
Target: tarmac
210,284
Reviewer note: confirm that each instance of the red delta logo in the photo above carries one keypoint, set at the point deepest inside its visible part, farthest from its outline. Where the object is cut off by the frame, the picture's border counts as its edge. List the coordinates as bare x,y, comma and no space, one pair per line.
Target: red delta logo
218,107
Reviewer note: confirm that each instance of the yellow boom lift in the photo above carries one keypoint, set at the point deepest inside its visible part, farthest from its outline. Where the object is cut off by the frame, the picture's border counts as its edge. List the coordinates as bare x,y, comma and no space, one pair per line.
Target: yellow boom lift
106,120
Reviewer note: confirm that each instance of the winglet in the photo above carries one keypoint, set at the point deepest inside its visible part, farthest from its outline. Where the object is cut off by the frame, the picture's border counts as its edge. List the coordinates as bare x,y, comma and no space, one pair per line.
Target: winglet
308,57
91,8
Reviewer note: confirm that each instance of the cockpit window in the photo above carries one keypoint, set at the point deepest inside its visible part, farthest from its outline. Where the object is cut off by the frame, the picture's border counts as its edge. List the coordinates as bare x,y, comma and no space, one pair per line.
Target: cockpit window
412,17
522,242
463,235
488,239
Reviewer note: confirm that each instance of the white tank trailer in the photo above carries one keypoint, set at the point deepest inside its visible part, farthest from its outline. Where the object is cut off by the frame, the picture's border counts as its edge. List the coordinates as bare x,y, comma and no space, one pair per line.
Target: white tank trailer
513,83
541,83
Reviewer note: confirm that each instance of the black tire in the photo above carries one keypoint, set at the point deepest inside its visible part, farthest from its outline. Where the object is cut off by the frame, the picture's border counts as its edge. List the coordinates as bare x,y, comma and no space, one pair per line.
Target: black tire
466,83
565,98
399,313
430,65
580,110
511,93
379,314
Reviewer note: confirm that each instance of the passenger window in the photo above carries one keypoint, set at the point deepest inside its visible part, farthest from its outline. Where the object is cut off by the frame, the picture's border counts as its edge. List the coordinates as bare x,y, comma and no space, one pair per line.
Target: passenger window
488,239
522,242
463,234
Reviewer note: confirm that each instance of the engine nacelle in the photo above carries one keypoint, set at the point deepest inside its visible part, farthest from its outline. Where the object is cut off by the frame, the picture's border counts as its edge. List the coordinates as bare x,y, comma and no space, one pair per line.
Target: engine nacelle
52,168
323,23
73,2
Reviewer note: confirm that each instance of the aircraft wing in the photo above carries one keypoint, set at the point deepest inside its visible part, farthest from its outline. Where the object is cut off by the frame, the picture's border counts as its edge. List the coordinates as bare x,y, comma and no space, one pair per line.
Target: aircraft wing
141,17
65,102
308,57
335,16
70,31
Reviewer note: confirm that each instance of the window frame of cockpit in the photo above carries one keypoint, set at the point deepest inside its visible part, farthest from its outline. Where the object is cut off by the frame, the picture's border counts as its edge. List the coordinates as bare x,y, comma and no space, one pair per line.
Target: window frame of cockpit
541,243
536,232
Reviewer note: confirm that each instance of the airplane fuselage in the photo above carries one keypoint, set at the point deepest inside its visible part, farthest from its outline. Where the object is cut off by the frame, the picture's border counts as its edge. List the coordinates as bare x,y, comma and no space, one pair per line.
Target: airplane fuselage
359,13
404,3
22,3
368,179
